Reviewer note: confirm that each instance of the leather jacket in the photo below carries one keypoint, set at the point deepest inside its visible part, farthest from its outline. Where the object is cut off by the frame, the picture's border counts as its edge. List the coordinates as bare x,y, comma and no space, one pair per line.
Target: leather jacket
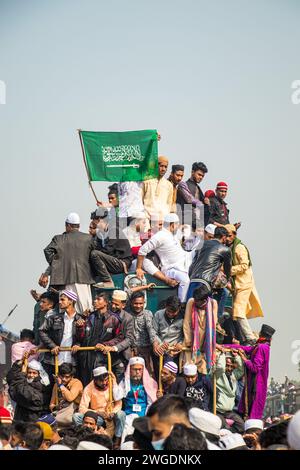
208,261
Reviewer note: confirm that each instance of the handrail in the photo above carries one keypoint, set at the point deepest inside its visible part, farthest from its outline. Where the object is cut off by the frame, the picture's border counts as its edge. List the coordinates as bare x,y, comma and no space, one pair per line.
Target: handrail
83,348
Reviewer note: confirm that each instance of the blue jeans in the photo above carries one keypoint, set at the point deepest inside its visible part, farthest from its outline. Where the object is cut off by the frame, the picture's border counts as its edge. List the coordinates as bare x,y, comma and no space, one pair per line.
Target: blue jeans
221,297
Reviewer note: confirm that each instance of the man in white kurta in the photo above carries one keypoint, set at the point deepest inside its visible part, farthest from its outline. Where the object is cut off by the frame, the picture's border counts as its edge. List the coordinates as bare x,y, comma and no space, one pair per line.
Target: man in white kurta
174,260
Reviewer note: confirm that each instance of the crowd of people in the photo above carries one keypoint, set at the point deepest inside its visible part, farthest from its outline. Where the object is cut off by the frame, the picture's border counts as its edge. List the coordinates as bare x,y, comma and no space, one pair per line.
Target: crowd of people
100,370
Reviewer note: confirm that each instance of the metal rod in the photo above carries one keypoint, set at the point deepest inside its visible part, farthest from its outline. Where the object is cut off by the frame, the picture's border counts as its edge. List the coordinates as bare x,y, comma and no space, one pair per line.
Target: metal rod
85,164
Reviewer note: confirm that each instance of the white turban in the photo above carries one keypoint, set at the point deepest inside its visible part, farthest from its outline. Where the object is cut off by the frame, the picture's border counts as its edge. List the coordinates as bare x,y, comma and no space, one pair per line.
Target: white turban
36,365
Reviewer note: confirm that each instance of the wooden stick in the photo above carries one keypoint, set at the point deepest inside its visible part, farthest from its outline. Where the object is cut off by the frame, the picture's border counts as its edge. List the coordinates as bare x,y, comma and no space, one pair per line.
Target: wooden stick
56,374
214,392
110,383
246,395
85,164
161,363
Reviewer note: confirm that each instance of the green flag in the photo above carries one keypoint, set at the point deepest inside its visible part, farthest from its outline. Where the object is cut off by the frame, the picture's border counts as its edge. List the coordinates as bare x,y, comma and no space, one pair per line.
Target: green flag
120,156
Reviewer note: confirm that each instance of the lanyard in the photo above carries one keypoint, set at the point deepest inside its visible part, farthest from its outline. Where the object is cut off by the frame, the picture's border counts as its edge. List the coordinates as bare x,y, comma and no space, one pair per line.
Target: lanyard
136,394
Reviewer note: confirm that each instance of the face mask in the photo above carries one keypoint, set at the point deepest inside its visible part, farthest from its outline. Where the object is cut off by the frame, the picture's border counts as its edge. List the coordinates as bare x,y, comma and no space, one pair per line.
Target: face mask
158,445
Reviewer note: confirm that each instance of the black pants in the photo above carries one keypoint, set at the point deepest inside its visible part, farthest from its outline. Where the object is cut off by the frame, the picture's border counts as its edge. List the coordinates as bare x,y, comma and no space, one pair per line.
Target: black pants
104,265
238,425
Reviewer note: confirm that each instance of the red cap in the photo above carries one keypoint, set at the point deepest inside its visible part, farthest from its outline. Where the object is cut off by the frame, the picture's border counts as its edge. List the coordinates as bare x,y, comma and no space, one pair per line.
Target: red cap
5,417
209,193
222,185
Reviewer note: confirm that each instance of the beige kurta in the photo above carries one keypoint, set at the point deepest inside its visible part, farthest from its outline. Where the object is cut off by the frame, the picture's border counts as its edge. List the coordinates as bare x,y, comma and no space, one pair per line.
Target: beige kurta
188,333
157,195
246,302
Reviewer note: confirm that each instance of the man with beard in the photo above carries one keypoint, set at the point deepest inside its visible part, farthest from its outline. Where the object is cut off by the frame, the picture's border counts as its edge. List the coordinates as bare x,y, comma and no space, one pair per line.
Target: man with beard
138,390
30,390
95,398
198,387
100,329
170,382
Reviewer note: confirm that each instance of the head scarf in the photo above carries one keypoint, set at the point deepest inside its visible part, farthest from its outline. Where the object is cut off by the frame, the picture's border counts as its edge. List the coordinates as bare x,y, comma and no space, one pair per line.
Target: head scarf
35,365
149,384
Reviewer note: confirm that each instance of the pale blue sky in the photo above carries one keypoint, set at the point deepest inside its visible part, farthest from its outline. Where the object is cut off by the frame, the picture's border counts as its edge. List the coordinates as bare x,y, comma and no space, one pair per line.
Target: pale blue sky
213,77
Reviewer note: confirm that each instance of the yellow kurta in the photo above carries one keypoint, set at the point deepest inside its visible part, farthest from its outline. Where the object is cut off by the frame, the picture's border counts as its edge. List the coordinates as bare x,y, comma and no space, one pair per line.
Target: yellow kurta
188,333
246,302
157,196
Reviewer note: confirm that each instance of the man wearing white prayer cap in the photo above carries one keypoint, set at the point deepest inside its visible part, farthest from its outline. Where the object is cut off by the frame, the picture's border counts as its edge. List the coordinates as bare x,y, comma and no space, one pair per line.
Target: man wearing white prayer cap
68,256
138,391
209,424
209,232
174,260
30,389
198,386
253,425
95,398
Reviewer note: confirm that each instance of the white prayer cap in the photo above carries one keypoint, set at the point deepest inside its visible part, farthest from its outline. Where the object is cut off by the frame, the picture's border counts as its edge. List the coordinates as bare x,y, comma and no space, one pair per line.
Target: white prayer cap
119,295
190,369
139,215
231,441
100,371
170,218
293,432
73,218
35,365
86,445
127,446
136,360
210,228
59,447
205,421
254,424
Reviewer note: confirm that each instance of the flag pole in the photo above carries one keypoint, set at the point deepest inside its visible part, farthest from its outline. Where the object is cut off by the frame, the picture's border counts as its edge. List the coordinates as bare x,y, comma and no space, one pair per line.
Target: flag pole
84,161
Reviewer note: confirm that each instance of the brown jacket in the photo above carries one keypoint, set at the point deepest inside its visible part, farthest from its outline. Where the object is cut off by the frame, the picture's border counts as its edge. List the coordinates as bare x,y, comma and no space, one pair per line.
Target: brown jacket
71,393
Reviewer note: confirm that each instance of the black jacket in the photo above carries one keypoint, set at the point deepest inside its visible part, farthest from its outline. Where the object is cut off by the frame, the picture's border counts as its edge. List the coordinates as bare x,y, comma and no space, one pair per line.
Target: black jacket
200,392
115,244
68,255
51,333
218,211
208,261
32,399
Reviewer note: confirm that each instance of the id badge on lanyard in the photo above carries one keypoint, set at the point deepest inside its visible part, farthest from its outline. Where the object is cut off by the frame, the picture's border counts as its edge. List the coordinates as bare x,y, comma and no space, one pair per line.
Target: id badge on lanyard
135,407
